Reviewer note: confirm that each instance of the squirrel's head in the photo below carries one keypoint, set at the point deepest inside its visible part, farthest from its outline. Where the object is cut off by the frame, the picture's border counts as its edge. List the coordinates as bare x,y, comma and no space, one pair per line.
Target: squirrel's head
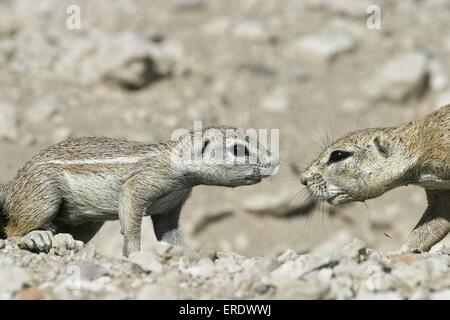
358,166
226,156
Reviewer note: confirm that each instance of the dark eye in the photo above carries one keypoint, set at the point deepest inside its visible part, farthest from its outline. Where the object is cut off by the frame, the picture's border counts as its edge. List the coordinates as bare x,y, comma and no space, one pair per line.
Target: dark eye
339,155
240,150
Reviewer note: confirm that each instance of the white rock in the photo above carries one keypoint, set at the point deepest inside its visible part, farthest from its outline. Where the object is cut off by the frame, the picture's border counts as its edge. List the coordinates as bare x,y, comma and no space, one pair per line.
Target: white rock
147,260
86,253
277,100
380,281
313,289
350,266
341,287
442,247
268,263
325,274
294,269
97,285
354,250
89,270
325,46
411,275
12,278
289,254
205,268
8,122
229,261
401,77
439,247
437,265
263,288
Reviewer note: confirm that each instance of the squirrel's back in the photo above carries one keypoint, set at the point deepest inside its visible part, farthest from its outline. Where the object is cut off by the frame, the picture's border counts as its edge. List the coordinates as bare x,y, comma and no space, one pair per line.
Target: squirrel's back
93,147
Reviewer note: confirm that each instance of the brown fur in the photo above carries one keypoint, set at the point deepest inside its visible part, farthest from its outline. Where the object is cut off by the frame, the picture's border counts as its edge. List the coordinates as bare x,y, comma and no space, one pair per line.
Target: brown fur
76,185
384,158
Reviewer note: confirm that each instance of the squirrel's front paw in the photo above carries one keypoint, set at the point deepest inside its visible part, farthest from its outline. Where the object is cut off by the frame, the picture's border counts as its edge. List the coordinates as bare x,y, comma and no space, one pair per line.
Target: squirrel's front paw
36,240
45,241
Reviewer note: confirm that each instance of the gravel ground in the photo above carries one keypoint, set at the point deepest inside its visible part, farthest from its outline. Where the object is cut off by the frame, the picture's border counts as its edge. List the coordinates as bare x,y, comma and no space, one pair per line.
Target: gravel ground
164,272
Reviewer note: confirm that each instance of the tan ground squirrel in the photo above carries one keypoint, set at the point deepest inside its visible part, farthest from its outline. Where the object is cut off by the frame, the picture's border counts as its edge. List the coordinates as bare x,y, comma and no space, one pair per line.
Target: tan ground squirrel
366,163
74,186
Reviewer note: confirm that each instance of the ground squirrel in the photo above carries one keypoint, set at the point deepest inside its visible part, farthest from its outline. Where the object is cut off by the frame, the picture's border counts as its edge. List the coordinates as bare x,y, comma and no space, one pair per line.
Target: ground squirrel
74,186
366,163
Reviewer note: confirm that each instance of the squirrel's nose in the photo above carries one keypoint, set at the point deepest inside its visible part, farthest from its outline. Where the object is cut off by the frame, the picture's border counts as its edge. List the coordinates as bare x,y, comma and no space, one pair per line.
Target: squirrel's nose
303,180
275,163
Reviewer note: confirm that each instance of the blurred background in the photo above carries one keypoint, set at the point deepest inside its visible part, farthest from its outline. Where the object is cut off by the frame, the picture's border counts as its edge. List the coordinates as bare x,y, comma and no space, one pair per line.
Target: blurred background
312,69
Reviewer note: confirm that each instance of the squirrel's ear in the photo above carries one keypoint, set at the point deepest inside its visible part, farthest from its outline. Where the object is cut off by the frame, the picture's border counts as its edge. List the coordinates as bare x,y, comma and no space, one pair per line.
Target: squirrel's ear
383,144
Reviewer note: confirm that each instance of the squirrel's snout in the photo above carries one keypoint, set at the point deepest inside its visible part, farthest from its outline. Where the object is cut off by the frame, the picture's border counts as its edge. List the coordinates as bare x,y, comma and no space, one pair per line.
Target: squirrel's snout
303,180
275,161
275,164
305,177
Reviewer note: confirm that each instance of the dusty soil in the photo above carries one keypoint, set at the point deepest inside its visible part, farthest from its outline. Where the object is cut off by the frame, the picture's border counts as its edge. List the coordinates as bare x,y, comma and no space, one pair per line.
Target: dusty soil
141,69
